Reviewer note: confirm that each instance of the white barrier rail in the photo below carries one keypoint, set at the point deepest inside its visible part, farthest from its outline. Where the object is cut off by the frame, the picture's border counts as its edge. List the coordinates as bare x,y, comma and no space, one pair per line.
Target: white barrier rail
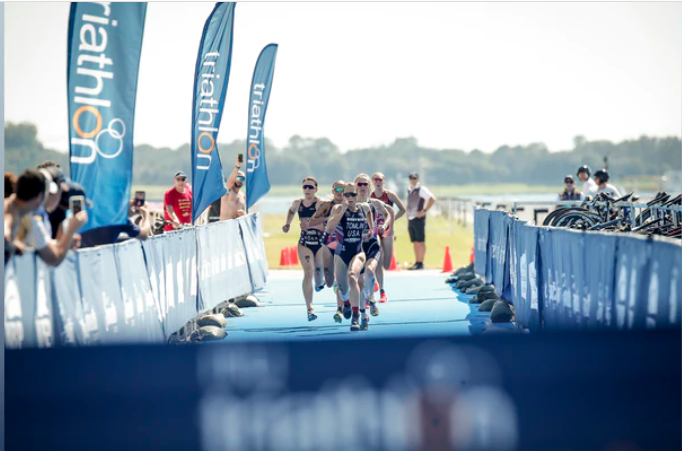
132,292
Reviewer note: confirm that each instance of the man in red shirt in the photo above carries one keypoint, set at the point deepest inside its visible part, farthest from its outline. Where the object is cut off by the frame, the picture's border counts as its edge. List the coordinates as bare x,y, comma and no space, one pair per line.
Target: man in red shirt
177,203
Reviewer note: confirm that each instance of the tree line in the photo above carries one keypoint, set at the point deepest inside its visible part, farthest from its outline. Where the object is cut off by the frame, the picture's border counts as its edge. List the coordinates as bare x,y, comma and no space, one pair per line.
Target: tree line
531,164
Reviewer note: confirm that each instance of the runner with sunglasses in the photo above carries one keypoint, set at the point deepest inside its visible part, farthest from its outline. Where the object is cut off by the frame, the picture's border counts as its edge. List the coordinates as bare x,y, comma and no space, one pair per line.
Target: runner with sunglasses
370,244
233,204
310,242
321,217
386,239
353,220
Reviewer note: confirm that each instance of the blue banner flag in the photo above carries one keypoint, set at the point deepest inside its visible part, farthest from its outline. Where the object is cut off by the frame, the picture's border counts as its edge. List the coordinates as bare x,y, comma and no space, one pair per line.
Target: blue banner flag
105,41
210,85
257,183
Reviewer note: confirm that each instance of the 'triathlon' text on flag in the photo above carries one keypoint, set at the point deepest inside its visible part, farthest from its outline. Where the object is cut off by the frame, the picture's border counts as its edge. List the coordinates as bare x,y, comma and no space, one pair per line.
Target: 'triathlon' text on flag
210,85
257,183
105,42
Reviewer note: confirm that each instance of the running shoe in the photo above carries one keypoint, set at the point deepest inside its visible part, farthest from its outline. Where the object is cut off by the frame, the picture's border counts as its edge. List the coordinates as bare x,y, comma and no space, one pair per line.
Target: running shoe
364,324
311,315
383,298
347,311
338,316
354,325
320,288
373,308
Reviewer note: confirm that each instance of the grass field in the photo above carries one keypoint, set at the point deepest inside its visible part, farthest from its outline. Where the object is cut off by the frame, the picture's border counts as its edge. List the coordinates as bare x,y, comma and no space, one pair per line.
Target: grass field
439,233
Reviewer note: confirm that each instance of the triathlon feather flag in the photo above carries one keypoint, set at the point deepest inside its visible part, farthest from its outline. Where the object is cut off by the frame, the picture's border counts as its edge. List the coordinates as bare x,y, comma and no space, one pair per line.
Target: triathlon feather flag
257,183
210,85
104,46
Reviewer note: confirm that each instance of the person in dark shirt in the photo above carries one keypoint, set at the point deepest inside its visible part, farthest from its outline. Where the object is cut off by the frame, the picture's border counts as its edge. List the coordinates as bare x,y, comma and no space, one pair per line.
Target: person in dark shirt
569,192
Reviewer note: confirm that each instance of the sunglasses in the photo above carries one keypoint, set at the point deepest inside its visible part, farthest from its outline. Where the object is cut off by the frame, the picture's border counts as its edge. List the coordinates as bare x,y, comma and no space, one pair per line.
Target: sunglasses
568,182
240,179
350,194
363,184
308,187
182,179
338,189
413,178
377,180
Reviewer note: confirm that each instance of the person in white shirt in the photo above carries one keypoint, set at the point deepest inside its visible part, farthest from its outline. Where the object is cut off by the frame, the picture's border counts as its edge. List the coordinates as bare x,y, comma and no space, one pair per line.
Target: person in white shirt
602,177
419,201
589,186
34,232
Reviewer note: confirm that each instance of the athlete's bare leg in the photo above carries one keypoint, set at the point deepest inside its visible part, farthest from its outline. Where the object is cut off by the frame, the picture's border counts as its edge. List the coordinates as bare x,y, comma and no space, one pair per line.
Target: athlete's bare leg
356,265
327,264
305,256
319,268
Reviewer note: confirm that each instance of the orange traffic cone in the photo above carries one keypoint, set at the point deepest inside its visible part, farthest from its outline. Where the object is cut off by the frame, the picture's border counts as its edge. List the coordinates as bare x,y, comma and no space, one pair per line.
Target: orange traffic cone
447,262
471,257
284,260
394,265
376,286
293,253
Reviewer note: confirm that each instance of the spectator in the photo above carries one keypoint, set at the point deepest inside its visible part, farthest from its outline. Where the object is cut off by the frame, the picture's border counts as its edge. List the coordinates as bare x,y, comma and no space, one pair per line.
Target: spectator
58,215
602,178
177,203
417,195
233,204
589,187
10,183
29,195
570,192
37,229
111,234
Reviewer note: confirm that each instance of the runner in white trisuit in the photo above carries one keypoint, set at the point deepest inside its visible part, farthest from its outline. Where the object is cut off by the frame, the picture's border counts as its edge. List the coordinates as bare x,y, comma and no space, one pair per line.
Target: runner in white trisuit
354,221
389,198
321,217
371,245
310,242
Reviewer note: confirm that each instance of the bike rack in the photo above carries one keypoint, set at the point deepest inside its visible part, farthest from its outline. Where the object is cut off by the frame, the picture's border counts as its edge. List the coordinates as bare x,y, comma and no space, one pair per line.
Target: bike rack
657,211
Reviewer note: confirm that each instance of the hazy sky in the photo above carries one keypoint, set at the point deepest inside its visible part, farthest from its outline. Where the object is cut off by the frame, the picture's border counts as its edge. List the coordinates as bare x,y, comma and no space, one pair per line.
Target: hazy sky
453,75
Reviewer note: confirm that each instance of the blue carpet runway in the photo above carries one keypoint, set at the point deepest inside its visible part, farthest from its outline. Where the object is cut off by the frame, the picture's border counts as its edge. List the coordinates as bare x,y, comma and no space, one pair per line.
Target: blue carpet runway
420,304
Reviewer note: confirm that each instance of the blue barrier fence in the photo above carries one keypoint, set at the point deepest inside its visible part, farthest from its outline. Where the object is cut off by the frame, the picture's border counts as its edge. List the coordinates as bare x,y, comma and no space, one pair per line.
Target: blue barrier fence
560,278
132,292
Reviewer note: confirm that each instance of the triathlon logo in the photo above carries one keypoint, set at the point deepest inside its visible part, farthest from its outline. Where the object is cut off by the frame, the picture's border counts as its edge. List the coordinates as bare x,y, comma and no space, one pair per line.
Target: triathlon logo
92,95
207,124
255,128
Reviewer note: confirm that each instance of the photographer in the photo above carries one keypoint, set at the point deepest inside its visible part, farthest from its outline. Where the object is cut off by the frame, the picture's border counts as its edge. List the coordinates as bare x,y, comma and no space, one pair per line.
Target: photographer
36,231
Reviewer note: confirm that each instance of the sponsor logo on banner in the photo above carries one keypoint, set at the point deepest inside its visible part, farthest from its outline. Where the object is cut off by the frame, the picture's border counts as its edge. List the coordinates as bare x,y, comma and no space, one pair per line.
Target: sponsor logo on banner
207,112
255,128
96,70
